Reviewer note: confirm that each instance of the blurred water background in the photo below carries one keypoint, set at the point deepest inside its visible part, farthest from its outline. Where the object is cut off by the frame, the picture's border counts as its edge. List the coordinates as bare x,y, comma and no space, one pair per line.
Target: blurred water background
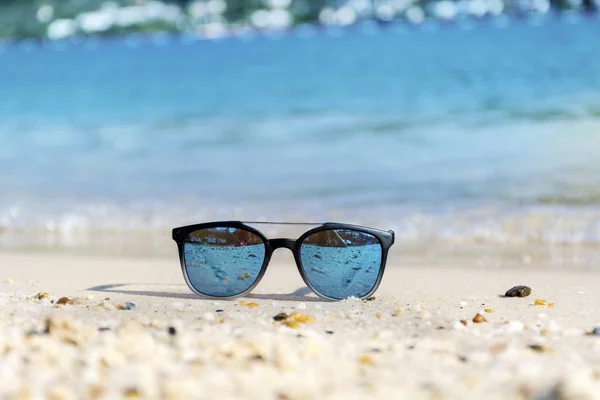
470,134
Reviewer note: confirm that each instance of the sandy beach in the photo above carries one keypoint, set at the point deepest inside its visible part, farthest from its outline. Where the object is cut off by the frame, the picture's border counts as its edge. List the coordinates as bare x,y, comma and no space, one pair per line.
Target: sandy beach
134,330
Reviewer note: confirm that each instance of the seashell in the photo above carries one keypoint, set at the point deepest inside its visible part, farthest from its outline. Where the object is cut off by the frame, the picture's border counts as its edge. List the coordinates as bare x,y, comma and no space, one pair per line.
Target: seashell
478,318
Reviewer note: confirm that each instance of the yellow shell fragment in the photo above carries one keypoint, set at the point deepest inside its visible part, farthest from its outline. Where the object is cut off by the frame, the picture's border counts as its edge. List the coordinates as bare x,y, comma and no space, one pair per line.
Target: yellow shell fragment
303,318
294,320
292,324
488,310
366,359
251,304
539,302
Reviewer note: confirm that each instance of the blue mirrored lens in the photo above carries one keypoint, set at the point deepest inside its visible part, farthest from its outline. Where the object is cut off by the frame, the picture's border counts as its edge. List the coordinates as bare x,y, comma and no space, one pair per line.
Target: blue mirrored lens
223,261
341,263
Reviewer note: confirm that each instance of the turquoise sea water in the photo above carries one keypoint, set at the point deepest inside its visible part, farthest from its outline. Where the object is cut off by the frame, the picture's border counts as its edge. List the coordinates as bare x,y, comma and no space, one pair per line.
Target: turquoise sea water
485,130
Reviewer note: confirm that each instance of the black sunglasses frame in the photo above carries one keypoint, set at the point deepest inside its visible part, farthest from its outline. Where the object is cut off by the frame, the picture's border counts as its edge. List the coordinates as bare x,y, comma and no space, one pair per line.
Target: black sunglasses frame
386,240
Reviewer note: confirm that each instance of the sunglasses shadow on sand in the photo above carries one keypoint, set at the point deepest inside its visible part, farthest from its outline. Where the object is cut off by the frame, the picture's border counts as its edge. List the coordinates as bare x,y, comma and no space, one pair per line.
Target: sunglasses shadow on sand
300,294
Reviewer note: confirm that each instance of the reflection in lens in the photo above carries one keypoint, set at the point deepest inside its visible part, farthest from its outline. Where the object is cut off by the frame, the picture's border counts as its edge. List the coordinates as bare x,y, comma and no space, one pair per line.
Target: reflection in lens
341,263
223,261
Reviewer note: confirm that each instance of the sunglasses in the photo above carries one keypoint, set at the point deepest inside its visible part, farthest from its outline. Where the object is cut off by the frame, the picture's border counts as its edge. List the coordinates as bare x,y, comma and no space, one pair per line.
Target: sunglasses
225,260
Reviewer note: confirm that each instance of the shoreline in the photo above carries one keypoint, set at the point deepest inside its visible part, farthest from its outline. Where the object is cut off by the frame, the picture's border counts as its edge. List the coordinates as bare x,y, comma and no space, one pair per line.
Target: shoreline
304,30
409,341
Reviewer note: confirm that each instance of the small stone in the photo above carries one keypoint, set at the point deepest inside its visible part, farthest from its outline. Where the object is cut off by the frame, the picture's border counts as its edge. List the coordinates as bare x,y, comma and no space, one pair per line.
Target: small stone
103,328
478,318
128,305
172,331
518,291
9,281
42,295
539,302
280,317
594,332
64,300
488,310
464,322
329,332
538,348
378,315
550,305
371,298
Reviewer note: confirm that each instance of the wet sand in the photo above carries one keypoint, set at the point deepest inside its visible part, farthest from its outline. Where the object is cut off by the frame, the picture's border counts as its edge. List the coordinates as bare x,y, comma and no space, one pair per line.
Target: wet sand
409,342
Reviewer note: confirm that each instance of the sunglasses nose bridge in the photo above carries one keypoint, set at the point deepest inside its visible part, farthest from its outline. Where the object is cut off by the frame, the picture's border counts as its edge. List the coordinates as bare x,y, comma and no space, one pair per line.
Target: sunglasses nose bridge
285,243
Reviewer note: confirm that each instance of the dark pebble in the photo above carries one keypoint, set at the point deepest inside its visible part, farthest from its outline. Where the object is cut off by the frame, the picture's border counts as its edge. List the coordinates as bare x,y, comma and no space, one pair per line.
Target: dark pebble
172,331
104,328
537,348
596,331
218,310
280,316
371,298
518,291
329,332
